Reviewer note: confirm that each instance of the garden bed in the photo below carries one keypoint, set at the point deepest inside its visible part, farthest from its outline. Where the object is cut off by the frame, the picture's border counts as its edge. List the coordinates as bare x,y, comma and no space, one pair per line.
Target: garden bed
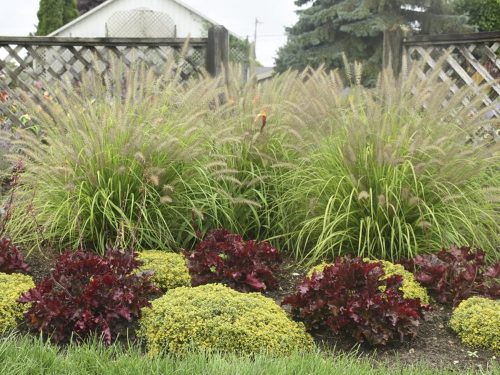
436,346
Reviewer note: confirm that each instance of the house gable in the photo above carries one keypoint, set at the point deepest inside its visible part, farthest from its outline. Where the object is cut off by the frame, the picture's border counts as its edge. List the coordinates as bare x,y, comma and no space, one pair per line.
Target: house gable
188,22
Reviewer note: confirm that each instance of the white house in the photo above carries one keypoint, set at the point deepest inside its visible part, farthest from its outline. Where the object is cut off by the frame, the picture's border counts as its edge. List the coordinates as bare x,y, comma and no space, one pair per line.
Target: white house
138,18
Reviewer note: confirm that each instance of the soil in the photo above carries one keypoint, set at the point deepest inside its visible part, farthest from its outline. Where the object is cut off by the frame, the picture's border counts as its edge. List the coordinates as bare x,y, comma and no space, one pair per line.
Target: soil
41,263
436,344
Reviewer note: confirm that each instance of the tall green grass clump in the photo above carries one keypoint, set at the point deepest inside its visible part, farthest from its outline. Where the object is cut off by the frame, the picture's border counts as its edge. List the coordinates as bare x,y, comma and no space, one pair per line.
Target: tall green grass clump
393,175
261,141
114,162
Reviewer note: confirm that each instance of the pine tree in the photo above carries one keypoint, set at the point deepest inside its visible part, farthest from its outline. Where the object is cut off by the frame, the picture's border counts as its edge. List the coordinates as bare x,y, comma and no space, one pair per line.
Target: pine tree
53,14
86,5
484,14
329,28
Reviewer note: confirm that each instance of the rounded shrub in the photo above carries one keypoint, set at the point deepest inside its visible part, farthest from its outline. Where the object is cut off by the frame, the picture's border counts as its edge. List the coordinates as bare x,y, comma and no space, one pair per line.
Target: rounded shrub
169,269
410,287
214,317
477,321
11,288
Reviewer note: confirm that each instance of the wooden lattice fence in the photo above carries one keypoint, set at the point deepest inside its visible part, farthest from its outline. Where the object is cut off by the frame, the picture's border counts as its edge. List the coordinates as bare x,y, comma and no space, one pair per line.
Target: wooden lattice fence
29,64
467,59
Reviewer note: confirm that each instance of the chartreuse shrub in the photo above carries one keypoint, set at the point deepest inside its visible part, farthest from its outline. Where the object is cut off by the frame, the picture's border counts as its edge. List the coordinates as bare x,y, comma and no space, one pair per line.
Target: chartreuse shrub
410,287
353,297
393,174
216,318
169,269
12,286
477,321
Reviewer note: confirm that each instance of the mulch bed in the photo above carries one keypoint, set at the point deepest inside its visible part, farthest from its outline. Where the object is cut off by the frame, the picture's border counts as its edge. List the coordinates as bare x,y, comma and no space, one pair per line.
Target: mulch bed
436,344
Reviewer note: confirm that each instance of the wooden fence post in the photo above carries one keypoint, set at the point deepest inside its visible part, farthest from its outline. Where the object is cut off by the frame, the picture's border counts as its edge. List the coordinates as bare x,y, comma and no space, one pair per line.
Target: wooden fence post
218,50
392,50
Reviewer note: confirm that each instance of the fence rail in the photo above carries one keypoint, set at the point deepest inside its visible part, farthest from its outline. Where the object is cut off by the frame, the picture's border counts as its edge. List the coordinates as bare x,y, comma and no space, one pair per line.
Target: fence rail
469,59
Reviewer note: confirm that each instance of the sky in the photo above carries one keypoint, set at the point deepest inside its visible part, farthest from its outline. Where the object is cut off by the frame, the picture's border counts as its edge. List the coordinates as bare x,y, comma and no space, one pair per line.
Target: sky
18,18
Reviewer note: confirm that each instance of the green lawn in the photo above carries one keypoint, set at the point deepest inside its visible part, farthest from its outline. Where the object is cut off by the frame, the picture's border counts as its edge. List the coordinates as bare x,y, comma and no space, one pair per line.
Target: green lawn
33,356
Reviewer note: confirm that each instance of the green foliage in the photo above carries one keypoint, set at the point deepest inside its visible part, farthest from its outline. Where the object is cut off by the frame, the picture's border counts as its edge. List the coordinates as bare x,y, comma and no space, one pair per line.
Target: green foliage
11,288
477,321
410,287
31,355
169,269
53,14
327,29
316,165
484,14
117,158
392,176
249,158
215,318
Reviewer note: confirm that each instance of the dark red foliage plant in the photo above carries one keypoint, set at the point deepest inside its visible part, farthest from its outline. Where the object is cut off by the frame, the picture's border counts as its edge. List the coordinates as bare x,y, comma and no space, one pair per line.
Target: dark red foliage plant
455,274
351,297
89,294
11,258
226,258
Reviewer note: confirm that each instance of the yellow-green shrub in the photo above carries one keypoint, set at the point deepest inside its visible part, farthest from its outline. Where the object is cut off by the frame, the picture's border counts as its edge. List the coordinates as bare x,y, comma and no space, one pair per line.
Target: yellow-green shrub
214,317
411,288
169,269
11,288
477,321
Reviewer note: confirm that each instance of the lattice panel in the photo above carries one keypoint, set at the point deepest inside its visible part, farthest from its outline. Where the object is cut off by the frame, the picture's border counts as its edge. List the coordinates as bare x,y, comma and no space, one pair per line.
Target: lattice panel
238,56
29,67
471,64
140,23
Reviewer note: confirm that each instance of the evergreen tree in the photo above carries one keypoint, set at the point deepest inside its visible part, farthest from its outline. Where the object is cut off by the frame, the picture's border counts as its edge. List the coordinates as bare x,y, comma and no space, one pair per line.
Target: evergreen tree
329,28
484,14
86,5
53,14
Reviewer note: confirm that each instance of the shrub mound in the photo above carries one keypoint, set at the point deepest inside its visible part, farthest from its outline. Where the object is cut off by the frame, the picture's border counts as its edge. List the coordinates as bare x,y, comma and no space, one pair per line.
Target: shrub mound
169,269
477,321
11,259
455,274
410,287
354,297
216,318
88,294
224,257
11,288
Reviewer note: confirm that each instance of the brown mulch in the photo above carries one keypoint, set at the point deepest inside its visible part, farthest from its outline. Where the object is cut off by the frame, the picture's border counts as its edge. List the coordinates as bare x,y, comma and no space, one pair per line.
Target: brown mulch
436,344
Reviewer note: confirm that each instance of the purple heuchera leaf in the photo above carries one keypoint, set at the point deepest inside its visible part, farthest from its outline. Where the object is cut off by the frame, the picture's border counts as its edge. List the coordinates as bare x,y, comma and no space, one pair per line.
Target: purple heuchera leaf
225,257
351,297
88,294
455,274
11,258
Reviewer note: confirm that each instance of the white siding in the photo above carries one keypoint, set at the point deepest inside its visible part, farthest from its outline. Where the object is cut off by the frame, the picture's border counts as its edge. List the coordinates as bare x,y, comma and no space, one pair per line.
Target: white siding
94,25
